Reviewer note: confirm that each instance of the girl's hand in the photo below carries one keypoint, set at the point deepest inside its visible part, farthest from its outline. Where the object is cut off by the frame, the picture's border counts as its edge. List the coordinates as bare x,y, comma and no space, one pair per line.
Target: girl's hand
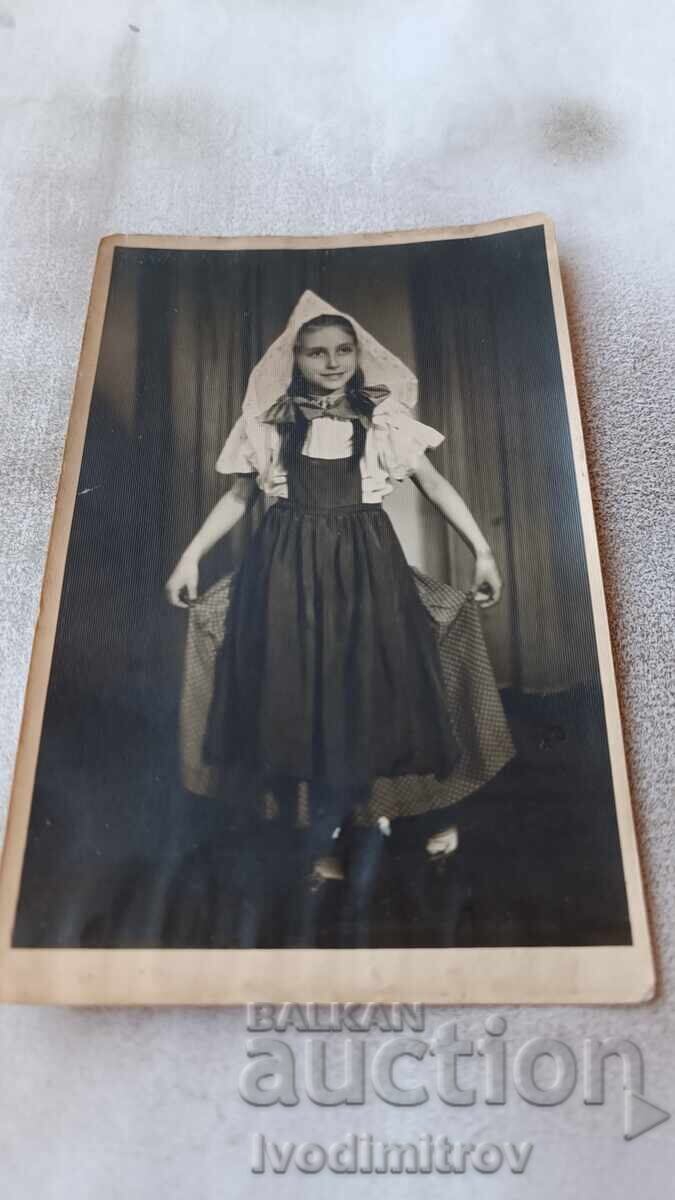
487,582
183,580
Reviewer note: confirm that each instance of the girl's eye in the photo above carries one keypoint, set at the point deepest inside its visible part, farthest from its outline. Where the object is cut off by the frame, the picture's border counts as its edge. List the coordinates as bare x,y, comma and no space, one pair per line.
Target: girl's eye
346,349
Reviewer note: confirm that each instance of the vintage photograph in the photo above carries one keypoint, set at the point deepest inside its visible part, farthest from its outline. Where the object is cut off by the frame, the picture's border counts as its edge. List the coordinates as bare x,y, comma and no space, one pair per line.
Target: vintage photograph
322,689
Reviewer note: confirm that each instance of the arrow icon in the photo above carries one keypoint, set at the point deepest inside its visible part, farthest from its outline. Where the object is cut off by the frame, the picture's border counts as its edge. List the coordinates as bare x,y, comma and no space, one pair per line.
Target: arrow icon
640,1115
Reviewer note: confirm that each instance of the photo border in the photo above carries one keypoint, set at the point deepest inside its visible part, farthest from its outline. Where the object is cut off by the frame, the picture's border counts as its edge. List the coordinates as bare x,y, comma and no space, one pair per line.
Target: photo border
503,975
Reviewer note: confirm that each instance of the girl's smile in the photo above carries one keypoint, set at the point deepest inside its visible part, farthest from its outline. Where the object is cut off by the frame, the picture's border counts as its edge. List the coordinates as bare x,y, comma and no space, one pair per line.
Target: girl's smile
327,358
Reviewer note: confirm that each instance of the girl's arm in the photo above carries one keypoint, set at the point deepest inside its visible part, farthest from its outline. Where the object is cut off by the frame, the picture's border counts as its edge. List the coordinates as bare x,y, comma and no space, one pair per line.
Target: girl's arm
222,518
487,582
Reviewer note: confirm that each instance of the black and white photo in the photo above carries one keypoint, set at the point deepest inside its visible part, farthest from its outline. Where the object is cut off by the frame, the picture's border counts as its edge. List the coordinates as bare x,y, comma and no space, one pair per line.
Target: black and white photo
322,690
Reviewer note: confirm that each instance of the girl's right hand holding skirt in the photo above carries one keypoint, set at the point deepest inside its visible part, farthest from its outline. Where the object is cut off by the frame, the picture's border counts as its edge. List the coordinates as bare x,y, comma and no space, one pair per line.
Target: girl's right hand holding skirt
184,580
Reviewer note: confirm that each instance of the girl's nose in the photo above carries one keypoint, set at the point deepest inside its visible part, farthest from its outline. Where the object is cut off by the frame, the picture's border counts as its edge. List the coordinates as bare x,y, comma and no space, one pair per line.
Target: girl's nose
332,361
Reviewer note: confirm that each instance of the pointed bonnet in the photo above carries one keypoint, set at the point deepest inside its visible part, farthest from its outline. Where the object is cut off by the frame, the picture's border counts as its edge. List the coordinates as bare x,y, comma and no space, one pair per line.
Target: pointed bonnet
271,376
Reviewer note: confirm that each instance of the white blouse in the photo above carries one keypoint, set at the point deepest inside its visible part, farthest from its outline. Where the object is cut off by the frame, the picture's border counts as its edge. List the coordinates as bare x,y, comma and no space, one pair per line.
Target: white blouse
328,437
394,445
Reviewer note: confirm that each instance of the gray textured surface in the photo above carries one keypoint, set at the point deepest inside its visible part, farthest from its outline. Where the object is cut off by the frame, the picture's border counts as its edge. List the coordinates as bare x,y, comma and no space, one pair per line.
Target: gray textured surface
220,118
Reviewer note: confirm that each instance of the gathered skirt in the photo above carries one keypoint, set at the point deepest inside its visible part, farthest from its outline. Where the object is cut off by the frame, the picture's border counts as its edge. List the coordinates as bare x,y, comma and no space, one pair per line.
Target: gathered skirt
325,656
329,668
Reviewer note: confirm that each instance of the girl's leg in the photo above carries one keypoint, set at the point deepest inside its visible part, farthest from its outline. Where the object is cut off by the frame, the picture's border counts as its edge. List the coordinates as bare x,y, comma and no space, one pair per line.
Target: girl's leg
331,808
365,864
240,795
285,793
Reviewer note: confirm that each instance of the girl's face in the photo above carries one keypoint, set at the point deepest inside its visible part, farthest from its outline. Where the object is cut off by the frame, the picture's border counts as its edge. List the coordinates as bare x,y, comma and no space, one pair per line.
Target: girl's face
327,358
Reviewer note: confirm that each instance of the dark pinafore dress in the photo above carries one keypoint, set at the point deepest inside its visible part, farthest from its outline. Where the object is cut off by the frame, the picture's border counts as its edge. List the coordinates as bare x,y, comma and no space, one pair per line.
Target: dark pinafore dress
329,669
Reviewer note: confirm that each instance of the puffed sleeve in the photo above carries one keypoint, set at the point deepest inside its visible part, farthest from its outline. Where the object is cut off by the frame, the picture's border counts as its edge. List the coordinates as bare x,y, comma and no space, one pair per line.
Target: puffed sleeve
237,455
401,441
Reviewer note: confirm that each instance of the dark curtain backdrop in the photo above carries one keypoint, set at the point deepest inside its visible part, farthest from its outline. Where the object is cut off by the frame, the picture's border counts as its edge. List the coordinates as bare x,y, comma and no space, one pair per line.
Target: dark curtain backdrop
490,379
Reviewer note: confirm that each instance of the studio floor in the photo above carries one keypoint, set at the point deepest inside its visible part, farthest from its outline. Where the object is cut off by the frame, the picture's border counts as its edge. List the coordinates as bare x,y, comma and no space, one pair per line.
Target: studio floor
537,861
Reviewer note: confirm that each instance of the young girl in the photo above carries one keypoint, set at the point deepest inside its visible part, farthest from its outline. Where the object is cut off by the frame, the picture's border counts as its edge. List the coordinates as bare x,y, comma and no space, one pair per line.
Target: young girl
325,665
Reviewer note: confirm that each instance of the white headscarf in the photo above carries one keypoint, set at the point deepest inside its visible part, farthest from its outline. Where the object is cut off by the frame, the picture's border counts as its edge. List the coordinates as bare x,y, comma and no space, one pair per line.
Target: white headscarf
394,443
271,377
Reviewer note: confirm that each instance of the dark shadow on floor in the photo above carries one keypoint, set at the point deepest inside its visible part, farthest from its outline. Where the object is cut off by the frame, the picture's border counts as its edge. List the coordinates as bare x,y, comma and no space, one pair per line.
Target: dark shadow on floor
118,856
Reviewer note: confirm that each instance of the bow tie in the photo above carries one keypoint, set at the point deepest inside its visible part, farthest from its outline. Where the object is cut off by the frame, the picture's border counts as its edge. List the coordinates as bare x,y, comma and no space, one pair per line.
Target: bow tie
337,407
285,410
